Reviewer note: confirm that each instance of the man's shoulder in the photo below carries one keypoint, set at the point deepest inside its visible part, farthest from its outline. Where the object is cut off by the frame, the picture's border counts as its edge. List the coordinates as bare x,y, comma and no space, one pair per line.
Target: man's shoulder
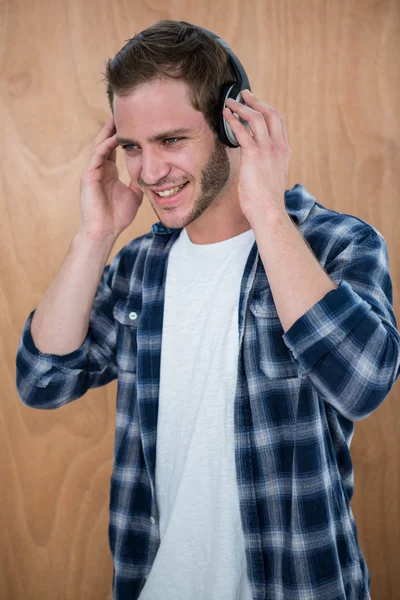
316,219
337,227
128,263
136,246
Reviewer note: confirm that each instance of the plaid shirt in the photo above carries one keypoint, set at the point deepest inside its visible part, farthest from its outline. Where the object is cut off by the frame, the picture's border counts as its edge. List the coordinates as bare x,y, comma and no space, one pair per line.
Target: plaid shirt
297,397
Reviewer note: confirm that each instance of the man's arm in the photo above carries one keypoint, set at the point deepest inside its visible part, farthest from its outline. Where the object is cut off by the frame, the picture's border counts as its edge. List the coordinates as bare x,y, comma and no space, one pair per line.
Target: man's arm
61,320
48,380
59,355
296,278
343,335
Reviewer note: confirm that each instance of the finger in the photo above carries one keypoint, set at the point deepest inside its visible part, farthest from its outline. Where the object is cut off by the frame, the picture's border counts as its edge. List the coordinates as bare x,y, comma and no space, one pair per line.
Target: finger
245,140
254,118
134,187
285,134
113,155
271,116
101,153
105,132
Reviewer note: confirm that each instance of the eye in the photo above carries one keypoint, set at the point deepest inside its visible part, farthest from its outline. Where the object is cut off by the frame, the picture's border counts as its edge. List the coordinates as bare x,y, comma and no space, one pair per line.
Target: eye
131,147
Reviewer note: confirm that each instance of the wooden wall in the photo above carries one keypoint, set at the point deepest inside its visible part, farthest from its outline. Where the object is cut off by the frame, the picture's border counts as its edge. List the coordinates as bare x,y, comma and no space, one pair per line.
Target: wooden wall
331,67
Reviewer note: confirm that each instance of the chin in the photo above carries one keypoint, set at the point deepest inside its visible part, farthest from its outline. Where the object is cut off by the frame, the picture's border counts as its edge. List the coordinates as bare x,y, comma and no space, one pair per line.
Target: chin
173,216
173,221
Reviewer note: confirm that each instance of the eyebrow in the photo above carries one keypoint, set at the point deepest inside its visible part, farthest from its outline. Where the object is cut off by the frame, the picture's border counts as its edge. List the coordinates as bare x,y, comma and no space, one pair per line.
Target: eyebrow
157,138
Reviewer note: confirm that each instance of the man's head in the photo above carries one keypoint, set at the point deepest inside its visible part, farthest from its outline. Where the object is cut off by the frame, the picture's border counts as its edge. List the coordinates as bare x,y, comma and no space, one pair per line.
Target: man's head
169,77
178,50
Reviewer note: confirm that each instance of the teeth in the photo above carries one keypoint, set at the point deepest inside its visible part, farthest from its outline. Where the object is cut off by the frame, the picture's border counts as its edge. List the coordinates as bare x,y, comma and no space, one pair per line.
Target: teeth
170,192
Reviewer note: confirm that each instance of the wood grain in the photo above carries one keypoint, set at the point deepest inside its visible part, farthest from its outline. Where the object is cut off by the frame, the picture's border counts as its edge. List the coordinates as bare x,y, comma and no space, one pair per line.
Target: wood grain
332,70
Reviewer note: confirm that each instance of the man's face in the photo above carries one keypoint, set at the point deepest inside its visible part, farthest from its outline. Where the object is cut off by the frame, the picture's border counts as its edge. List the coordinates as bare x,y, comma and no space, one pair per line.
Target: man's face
194,157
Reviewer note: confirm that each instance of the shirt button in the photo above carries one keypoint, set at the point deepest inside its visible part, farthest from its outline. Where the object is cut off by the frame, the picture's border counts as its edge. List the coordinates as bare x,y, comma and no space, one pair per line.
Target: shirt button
132,316
152,520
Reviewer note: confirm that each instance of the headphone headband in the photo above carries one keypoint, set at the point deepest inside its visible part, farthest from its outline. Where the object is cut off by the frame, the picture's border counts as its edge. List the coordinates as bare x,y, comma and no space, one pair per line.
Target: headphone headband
240,73
229,90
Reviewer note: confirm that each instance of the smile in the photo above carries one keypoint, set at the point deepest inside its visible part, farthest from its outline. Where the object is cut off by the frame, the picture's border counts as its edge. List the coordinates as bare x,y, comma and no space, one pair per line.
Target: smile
172,196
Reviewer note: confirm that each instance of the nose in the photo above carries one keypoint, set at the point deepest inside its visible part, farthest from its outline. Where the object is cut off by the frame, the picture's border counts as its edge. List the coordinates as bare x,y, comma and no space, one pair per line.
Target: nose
154,167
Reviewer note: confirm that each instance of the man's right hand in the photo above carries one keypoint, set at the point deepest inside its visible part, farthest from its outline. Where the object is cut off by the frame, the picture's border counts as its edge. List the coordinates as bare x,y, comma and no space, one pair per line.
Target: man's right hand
108,206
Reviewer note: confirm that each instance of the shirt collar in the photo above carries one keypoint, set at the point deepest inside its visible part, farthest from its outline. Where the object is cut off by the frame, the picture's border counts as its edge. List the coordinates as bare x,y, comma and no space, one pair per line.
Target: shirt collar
299,203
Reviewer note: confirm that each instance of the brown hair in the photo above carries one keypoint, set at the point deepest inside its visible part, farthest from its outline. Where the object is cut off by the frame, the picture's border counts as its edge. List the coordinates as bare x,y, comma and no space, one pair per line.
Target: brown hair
173,49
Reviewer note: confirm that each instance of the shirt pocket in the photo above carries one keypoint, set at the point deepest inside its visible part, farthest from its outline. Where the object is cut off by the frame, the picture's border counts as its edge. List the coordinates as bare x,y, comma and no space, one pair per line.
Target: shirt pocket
274,356
126,323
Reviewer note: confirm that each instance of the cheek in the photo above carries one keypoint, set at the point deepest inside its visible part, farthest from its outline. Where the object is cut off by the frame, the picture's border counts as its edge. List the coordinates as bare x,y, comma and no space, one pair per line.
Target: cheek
189,163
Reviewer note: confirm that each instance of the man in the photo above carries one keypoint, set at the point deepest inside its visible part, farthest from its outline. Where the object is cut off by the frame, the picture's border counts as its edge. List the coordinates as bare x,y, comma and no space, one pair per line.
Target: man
248,331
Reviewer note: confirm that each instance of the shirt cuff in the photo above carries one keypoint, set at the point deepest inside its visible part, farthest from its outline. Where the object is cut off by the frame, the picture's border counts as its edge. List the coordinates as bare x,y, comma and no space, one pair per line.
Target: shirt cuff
44,362
325,325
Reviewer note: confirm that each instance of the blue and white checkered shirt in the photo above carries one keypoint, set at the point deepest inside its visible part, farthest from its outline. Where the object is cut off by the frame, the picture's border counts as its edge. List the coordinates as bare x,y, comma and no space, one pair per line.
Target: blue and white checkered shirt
297,397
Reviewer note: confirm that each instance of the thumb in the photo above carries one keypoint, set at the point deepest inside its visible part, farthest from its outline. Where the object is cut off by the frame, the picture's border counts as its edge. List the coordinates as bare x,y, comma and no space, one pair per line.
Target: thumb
134,187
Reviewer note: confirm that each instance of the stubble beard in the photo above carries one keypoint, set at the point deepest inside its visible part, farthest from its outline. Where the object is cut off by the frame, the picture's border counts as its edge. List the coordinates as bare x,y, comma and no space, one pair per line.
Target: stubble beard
214,177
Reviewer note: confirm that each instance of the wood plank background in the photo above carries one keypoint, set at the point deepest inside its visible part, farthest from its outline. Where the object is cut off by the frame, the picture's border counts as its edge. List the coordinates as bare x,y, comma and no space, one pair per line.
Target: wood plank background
332,69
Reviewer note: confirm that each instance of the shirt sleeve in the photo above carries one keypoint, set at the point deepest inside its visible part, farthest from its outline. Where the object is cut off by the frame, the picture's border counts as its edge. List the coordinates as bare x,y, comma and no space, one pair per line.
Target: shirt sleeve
48,380
348,343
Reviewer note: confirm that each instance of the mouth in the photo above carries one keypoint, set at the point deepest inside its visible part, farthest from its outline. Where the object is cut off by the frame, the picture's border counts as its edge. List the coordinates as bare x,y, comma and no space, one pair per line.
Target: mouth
173,198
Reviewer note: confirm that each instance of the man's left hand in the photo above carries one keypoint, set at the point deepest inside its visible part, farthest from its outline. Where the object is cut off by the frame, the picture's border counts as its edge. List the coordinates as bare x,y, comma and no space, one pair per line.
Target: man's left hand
265,156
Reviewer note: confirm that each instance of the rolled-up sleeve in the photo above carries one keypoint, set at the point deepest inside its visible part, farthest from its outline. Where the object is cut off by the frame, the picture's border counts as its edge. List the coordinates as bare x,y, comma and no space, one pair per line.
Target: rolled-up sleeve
348,343
48,380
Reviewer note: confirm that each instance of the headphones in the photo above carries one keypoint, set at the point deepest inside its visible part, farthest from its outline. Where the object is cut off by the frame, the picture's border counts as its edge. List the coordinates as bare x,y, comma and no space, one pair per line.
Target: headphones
233,89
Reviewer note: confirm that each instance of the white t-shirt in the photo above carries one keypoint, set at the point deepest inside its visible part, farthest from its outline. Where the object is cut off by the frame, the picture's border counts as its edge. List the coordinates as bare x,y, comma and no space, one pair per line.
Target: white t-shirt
201,555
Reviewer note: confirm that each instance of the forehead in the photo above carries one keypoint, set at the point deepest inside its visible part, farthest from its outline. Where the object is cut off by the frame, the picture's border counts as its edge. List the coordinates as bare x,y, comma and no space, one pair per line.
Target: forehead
160,104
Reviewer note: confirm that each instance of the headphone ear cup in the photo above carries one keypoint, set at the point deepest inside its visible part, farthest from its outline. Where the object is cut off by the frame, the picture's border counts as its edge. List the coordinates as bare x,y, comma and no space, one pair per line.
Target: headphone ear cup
225,133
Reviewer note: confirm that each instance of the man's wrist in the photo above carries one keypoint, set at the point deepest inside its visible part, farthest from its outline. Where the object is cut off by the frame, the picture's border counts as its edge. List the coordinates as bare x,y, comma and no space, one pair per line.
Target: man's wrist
99,239
84,242
271,219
